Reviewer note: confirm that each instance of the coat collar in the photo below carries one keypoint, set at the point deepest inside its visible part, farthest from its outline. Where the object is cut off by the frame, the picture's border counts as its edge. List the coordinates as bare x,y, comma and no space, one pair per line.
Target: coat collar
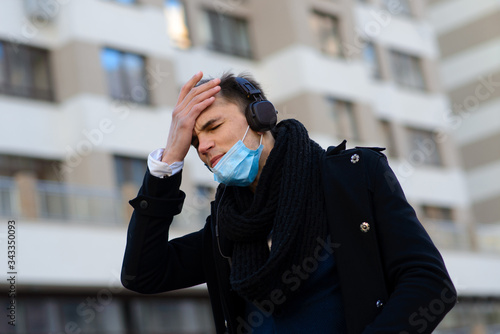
333,150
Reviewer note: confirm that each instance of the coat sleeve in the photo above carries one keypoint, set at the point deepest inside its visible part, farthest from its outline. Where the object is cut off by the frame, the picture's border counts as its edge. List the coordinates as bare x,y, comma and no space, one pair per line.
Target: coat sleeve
151,262
420,289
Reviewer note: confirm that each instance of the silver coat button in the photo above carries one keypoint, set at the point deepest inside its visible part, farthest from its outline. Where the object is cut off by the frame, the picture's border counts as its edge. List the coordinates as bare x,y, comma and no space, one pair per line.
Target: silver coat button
354,158
380,303
365,227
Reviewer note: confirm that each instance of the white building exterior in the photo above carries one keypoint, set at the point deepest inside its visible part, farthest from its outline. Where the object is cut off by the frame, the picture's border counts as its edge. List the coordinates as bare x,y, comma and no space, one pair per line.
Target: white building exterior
86,93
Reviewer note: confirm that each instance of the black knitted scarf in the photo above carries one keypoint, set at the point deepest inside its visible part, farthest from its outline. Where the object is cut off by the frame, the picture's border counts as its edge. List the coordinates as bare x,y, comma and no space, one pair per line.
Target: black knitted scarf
288,205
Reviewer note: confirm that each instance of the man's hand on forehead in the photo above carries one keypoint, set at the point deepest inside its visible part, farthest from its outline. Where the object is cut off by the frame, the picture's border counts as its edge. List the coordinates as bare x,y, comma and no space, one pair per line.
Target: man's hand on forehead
192,101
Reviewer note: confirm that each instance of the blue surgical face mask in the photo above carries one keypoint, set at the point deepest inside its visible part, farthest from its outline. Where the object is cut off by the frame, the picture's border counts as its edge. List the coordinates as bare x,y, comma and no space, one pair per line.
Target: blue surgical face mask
239,166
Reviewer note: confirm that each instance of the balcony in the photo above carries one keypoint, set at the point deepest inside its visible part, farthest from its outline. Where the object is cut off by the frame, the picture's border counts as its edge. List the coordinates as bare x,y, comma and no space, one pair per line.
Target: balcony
59,201
24,196
8,196
447,234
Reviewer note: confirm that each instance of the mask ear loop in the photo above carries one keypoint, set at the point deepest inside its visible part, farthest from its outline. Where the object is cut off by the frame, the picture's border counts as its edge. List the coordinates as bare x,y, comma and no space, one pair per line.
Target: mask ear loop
244,136
248,127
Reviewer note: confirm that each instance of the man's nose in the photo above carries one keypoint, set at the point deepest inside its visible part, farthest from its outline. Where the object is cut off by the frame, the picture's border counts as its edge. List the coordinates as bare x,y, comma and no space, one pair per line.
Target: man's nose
205,144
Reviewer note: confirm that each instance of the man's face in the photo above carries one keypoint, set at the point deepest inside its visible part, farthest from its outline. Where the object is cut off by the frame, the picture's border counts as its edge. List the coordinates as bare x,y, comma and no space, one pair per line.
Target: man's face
218,128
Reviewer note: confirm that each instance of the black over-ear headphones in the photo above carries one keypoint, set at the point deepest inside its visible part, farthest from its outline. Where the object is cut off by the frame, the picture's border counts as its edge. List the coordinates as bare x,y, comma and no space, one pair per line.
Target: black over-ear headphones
260,114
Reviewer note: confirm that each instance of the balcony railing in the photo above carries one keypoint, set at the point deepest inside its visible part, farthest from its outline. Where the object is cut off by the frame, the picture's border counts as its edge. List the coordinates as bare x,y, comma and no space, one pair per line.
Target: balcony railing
447,234
8,195
62,201
488,238
24,196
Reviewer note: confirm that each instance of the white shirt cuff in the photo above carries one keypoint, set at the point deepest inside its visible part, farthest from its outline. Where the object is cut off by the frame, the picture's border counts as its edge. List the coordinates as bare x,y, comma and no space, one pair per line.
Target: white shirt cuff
161,169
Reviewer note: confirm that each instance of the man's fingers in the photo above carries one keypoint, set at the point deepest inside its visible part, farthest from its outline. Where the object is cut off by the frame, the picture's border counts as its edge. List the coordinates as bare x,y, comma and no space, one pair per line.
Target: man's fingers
187,115
200,99
189,85
189,119
185,110
195,91
198,108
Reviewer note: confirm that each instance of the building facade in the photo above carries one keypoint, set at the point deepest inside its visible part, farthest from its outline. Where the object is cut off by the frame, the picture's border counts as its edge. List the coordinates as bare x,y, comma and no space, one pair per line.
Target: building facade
470,75
470,71
86,93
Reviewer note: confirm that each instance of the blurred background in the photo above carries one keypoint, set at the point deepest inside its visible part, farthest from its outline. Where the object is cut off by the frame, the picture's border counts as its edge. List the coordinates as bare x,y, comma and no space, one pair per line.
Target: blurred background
87,88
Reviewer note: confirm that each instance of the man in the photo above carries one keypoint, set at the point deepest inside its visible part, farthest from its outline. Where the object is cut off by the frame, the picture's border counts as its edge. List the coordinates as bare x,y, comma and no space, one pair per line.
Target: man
299,240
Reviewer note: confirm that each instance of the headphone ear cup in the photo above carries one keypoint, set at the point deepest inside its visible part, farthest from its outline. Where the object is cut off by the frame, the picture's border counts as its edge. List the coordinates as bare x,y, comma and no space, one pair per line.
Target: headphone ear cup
261,115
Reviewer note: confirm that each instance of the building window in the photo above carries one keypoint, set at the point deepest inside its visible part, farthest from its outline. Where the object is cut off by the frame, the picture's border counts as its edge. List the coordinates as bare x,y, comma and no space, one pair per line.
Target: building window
398,7
228,34
326,29
177,28
437,213
25,71
372,61
41,169
10,166
126,2
407,70
129,170
126,74
346,124
441,226
3,69
388,136
423,148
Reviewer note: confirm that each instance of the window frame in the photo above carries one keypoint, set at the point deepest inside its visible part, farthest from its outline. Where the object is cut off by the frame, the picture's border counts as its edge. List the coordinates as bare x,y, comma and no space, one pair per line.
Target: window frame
435,160
215,34
125,87
127,170
124,3
30,90
178,43
374,65
407,9
444,213
345,118
389,138
414,78
337,35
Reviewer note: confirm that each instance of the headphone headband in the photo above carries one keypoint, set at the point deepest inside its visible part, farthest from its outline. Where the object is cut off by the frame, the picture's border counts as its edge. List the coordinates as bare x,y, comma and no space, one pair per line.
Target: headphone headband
247,87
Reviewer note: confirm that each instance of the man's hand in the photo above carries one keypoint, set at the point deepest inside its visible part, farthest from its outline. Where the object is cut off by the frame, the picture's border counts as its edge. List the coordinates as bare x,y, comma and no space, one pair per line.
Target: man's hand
190,104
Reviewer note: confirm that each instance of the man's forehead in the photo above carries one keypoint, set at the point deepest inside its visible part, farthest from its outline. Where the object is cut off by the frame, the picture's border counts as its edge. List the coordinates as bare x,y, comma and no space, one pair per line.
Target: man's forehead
217,109
206,116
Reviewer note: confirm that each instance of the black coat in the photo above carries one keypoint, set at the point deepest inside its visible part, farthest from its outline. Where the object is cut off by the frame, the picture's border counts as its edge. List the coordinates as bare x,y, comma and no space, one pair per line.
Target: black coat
392,277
